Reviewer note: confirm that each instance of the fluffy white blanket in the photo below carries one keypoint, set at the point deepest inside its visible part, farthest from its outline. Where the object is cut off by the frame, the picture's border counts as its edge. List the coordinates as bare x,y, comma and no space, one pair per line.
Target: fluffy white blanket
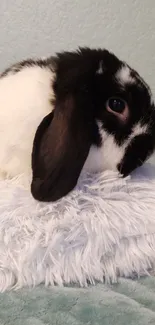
104,229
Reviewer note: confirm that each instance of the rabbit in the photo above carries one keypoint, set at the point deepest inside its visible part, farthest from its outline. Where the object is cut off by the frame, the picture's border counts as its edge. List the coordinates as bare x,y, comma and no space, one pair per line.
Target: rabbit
83,110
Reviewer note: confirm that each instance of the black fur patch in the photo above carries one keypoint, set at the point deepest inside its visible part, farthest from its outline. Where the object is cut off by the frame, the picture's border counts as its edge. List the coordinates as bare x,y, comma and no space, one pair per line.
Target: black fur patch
76,74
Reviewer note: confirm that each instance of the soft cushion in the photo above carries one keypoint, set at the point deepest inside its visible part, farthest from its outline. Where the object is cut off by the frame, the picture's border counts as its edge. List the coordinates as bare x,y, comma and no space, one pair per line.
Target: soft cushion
105,228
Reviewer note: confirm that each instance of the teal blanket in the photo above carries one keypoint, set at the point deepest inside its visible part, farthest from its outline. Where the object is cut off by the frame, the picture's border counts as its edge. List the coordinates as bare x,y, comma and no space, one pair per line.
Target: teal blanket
127,303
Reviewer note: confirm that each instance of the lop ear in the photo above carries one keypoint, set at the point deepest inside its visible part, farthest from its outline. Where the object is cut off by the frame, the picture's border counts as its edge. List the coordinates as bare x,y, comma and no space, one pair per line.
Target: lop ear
61,146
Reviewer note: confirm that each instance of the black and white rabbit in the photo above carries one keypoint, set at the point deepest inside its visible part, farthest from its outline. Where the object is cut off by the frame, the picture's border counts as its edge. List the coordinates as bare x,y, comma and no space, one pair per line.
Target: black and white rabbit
78,110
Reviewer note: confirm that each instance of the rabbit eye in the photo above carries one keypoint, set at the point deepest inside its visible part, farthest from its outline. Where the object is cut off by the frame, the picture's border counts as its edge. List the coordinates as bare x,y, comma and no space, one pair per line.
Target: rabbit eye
116,105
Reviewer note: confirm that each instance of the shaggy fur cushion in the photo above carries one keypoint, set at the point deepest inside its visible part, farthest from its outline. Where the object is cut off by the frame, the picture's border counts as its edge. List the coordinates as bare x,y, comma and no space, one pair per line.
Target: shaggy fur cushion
103,229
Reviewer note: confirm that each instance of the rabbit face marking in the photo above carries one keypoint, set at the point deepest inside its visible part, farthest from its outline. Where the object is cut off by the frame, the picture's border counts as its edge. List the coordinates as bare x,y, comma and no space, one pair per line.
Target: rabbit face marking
123,76
100,68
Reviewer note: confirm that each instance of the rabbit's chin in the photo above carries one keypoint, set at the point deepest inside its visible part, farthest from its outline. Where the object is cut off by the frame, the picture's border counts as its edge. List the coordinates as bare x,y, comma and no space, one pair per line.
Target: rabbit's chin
106,157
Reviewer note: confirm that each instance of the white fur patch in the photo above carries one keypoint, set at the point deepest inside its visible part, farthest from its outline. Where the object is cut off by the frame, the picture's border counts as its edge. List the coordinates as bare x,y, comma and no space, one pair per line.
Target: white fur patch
123,76
138,129
100,68
24,101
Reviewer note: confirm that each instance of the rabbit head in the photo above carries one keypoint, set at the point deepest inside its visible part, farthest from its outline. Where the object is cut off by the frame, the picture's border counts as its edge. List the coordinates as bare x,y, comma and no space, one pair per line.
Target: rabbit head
103,118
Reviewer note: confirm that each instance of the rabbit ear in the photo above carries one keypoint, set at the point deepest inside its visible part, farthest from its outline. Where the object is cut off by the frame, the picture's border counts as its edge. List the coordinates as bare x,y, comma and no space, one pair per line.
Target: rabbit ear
61,146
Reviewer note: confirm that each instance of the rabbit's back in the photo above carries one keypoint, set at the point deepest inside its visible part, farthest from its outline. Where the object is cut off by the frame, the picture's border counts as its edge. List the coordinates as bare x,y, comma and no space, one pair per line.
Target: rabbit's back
25,98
